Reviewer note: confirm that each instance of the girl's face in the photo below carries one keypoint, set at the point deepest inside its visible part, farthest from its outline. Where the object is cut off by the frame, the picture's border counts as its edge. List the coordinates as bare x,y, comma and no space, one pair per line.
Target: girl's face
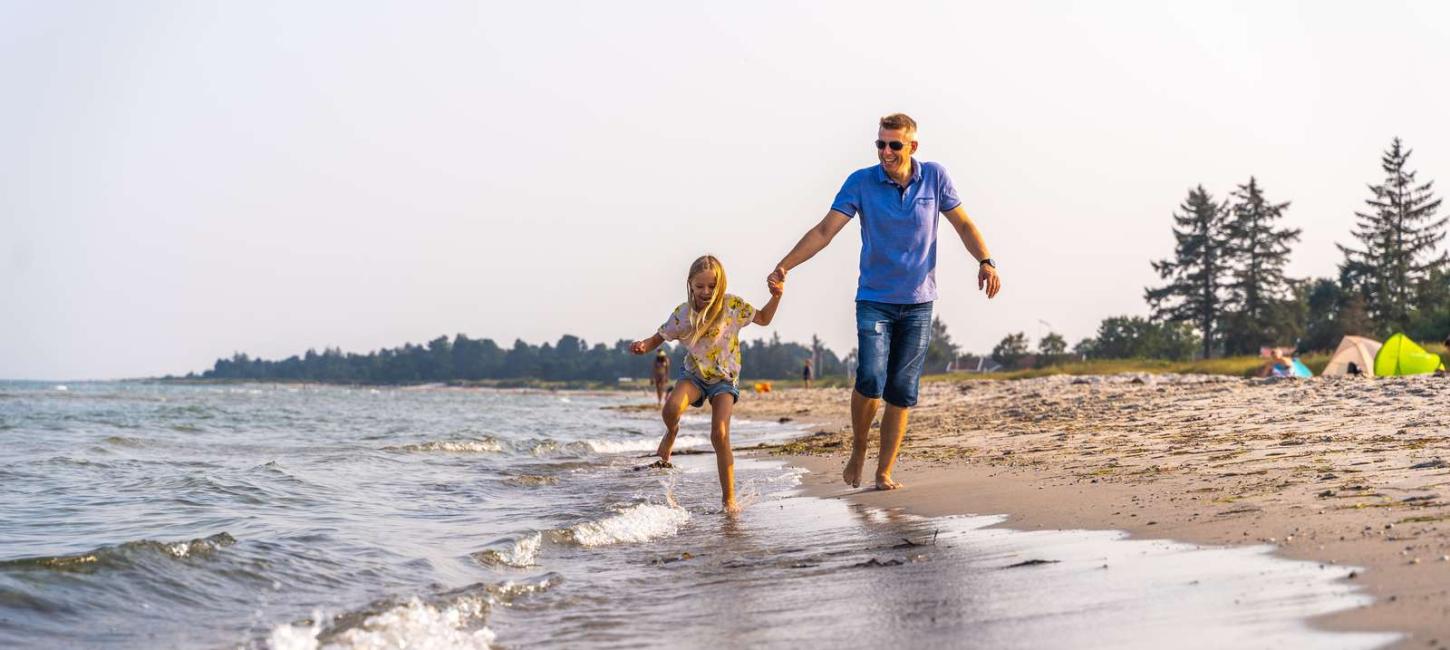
702,288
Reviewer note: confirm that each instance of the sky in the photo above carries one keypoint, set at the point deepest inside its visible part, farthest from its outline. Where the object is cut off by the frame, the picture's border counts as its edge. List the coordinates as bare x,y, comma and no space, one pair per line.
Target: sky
182,181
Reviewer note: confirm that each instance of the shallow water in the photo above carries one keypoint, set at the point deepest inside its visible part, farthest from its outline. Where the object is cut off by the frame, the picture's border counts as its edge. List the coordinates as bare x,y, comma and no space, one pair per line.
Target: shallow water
141,515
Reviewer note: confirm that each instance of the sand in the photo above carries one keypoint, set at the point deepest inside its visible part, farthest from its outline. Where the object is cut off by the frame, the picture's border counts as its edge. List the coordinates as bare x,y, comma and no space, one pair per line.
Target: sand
1341,471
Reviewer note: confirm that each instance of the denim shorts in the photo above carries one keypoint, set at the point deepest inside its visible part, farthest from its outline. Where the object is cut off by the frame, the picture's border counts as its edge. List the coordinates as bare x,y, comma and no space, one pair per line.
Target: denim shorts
891,346
709,391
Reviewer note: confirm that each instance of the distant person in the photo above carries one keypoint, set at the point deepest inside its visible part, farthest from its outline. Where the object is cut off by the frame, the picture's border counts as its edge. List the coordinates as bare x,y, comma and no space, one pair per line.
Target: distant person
708,324
898,201
806,374
661,376
1279,364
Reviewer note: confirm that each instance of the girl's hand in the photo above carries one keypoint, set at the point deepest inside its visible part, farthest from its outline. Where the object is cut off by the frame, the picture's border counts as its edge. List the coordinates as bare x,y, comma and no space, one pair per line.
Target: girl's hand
637,347
777,287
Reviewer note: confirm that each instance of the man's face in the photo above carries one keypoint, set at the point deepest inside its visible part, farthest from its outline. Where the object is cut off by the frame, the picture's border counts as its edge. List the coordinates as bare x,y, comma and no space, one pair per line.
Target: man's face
890,158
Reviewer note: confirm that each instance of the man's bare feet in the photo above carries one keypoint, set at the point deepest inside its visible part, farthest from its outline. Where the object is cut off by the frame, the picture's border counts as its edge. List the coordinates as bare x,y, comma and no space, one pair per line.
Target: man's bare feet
852,474
731,508
885,483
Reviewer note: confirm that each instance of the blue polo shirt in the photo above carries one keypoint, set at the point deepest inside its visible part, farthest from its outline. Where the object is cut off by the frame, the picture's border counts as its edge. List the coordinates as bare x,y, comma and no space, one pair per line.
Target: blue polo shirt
898,230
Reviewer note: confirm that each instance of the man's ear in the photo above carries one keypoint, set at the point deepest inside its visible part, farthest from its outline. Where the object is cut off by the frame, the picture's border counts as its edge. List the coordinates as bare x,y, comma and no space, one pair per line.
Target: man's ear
914,145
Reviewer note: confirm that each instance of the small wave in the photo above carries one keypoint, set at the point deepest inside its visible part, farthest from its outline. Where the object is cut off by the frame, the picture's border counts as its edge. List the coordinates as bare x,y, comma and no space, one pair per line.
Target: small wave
637,523
623,446
532,480
515,552
123,555
451,620
62,387
484,446
413,624
124,441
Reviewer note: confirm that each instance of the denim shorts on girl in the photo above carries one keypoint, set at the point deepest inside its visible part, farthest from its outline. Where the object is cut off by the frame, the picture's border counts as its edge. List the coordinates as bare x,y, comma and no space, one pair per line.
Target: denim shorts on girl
891,342
709,391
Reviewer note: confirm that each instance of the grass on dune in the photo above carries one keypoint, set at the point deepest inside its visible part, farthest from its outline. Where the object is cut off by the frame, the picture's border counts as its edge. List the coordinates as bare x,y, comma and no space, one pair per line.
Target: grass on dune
1233,366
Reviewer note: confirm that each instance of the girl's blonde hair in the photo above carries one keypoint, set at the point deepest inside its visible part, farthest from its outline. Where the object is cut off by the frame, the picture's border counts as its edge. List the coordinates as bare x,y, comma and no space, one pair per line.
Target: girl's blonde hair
706,319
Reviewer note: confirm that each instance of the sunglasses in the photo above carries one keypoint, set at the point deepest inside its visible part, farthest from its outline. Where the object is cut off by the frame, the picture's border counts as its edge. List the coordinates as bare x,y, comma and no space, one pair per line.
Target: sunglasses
895,145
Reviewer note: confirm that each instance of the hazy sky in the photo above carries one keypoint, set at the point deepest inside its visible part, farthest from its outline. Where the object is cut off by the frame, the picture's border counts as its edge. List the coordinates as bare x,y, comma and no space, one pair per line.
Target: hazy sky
179,181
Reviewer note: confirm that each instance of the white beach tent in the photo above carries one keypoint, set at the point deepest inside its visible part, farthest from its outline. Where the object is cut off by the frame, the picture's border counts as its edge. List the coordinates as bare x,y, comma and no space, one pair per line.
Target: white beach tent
1353,349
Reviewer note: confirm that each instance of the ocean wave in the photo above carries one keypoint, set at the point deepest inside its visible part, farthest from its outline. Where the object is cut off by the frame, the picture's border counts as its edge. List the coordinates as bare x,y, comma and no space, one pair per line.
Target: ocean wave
124,441
511,551
623,446
531,480
637,523
454,620
124,555
480,446
413,624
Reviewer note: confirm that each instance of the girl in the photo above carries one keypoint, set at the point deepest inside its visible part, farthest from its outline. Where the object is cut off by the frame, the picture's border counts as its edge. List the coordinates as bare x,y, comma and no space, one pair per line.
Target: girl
708,323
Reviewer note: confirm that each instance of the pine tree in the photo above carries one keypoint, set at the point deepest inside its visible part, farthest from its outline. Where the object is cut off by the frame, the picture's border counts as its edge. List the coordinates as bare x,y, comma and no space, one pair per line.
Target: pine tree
1197,273
1256,252
1399,235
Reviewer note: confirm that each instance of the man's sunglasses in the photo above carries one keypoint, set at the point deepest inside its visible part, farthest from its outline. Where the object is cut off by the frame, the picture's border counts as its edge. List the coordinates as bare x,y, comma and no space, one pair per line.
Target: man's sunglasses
895,145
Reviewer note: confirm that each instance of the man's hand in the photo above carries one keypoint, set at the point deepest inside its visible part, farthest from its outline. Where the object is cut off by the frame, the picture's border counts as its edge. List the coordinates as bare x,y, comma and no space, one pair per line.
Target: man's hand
638,347
777,287
987,280
776,277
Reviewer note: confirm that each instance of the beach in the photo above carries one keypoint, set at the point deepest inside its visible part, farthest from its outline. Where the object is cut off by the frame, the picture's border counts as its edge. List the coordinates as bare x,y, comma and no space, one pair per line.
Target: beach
1339,471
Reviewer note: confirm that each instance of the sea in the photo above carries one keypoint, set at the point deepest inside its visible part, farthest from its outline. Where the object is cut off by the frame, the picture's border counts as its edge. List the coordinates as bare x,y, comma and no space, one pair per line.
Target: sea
140,514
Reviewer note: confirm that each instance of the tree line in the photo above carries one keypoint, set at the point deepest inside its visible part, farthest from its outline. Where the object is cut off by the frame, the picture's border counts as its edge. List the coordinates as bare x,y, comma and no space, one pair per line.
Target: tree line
466,359
1225,291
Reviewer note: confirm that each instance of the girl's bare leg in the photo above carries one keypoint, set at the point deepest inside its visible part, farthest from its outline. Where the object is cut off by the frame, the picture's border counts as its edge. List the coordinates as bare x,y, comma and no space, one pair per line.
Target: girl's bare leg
720,408
685,392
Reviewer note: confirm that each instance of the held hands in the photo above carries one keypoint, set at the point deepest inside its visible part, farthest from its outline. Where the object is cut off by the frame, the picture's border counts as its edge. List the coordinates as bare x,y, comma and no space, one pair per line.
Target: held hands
776,282
988,281
638,347
776,277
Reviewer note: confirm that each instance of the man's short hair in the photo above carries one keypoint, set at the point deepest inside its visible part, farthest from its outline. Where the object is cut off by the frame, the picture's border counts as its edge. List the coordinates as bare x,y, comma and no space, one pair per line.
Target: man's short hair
899,121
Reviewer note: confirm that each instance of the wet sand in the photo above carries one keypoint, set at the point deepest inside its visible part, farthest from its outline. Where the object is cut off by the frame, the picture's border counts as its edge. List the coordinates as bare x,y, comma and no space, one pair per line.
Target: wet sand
1339,471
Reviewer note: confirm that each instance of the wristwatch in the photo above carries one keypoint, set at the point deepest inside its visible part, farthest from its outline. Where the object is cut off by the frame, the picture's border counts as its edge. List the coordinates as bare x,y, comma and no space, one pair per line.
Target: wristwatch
988,261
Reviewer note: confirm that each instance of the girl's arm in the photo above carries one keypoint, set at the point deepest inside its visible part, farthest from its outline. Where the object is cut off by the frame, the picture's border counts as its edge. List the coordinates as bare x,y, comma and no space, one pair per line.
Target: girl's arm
765,314
641,347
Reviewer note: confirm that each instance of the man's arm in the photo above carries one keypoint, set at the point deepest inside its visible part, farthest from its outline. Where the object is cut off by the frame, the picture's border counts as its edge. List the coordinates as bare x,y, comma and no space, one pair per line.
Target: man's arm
811,243
972,238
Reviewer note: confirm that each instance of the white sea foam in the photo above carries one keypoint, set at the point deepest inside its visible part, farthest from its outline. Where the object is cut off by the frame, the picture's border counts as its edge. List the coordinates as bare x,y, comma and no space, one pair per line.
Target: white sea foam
515,552
413,625
637,523
623,446
62,387
484,446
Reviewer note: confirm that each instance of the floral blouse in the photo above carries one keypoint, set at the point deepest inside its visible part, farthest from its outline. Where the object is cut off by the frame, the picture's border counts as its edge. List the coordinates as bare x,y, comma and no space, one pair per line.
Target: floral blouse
716,355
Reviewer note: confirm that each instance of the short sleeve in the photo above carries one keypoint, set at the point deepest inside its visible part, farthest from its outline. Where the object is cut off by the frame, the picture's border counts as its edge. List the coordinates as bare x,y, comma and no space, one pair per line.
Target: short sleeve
946,191
744,313
848,200
677,325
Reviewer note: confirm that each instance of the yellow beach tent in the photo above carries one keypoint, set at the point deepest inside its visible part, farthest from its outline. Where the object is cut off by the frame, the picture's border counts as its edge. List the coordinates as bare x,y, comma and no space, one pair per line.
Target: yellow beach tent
1357,350
1401,356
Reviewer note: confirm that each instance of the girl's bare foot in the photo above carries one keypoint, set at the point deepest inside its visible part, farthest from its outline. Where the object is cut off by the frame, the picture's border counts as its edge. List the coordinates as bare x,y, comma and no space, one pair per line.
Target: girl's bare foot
884,482
852,473
731,508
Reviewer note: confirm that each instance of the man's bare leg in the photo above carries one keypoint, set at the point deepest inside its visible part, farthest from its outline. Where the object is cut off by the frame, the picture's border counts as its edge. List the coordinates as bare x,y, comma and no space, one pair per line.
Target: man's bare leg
720,408
863,411
893,429
685,392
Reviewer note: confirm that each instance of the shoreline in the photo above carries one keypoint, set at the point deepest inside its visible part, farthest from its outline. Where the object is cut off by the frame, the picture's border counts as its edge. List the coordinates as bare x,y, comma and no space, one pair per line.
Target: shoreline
1343,473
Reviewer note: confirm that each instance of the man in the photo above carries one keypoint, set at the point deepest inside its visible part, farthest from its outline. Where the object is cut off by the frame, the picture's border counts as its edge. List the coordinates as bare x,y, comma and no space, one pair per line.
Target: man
898,201
661,376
